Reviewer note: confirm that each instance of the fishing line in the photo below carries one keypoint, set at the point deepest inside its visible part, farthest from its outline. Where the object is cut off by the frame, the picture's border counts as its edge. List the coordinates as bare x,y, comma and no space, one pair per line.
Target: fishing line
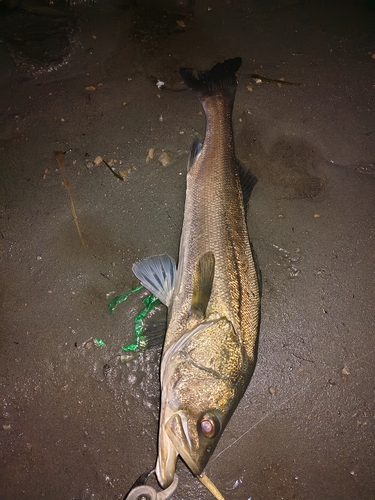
287,401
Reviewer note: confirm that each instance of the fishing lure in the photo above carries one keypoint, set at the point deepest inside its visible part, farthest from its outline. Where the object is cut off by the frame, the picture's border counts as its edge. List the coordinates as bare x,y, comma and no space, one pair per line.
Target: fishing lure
150,302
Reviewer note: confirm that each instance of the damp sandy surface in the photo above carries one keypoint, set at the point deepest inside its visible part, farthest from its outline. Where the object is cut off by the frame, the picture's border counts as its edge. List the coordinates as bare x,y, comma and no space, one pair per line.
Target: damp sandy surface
78,424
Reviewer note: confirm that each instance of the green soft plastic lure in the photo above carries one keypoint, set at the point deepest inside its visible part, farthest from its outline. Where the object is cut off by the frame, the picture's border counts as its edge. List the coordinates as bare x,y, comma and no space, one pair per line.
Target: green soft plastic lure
150,302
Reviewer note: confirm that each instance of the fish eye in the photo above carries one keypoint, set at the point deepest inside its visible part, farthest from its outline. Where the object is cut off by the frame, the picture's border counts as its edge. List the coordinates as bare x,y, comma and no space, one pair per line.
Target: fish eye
209,425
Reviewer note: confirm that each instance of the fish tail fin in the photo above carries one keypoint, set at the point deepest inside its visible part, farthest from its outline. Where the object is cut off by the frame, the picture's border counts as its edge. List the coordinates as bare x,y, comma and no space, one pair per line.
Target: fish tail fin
219,78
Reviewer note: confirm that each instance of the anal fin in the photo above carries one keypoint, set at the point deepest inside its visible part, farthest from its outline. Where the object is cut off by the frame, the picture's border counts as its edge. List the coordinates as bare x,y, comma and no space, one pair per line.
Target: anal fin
248,181
202,284
196,149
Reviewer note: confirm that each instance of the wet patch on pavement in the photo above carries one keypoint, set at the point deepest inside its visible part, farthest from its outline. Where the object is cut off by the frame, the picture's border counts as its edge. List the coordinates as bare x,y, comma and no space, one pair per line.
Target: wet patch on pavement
39,38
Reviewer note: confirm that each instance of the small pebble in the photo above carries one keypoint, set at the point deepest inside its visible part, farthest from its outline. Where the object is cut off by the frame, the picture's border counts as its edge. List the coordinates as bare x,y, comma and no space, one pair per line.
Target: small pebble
150,154
124,172
164,159
106,370
112,161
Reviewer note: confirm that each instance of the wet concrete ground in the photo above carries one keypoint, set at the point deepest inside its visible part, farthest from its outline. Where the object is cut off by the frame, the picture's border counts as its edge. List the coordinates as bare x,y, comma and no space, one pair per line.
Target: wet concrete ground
75,428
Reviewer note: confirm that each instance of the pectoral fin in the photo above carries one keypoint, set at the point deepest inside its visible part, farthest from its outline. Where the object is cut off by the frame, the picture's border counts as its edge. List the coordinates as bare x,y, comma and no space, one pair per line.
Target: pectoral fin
202,284
157,274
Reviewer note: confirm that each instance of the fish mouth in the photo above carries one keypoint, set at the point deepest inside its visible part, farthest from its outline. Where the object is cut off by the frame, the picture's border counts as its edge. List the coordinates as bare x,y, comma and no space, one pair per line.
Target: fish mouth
167,459
176,441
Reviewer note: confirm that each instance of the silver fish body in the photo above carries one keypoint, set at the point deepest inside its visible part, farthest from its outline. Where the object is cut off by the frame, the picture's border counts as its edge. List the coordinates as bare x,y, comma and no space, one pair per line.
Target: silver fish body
213,297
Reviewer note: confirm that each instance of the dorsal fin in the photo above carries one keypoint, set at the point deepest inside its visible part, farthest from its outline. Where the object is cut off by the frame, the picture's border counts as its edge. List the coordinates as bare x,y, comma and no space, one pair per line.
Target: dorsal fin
157,274
202,284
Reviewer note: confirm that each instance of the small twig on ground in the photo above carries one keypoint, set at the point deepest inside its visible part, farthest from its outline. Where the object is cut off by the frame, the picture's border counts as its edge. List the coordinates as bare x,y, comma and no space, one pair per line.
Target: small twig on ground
59,155
271,80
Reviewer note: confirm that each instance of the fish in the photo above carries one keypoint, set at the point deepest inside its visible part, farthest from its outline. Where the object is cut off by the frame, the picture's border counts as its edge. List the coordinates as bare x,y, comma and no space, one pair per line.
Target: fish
212,295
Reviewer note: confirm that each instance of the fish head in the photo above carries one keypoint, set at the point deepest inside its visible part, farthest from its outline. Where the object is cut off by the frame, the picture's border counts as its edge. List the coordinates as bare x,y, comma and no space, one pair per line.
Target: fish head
203,377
